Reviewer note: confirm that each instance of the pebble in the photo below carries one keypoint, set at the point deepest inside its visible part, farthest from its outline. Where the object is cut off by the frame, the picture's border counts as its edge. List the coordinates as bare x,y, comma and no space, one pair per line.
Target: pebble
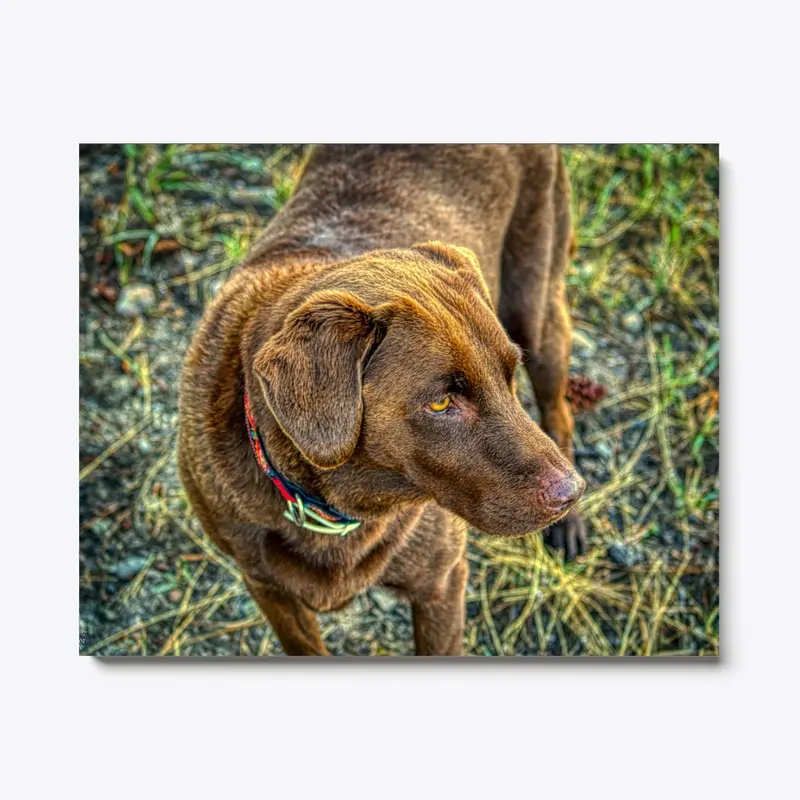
174,595
622,554
632,322
128,567
135,299
144,446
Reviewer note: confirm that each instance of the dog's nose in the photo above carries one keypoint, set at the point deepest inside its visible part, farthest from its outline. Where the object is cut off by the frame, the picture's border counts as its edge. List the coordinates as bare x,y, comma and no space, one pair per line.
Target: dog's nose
559,494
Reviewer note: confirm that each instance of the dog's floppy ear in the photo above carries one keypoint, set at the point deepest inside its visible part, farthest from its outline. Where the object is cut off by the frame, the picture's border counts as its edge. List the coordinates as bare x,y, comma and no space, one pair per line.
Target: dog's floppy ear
310,372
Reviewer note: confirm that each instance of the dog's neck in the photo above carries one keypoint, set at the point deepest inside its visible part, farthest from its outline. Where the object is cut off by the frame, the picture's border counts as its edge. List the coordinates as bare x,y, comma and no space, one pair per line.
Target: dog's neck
339,488
303,510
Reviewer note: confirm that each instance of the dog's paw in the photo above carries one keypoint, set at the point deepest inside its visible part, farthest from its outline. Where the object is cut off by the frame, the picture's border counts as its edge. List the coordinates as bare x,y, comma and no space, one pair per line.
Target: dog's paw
569,535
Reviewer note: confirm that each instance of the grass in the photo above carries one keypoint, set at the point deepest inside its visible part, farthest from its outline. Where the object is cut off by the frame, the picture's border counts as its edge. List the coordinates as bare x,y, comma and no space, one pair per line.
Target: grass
645,297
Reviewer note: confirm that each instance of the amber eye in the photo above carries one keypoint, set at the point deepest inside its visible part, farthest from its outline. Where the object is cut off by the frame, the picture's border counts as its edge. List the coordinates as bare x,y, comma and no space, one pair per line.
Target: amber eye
440,405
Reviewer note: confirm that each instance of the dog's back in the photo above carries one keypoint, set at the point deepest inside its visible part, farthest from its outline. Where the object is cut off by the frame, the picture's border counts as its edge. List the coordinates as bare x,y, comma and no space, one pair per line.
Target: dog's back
356,198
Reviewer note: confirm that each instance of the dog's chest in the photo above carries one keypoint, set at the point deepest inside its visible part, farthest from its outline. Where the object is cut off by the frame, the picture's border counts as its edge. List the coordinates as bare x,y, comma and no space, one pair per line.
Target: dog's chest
327,574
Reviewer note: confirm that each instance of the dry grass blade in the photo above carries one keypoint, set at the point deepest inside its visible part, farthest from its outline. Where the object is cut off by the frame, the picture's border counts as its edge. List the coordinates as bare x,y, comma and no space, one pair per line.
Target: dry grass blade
487,614
637,599
113,448
132,366
232,627
199,274
207,548
135,586
512,631
663,606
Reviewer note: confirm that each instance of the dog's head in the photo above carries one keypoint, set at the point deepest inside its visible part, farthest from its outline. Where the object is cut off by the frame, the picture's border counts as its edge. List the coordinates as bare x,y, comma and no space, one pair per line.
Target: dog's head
394,378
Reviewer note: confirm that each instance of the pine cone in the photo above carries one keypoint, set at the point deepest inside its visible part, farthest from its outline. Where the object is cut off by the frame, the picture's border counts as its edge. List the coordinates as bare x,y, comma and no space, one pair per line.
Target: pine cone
583,393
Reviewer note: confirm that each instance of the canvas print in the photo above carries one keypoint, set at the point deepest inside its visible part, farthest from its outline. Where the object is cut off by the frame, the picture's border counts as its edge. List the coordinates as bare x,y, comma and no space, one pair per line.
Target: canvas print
399,400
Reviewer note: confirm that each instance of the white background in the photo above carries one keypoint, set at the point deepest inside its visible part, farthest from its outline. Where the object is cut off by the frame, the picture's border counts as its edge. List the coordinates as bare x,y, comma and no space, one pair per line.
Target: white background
500,71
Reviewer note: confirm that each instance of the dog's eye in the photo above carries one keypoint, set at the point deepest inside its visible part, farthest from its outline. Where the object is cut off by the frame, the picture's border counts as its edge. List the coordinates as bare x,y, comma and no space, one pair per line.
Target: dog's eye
440,405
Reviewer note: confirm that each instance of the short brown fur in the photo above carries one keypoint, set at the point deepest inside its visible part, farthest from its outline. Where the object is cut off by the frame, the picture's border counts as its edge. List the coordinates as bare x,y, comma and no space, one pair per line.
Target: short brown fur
347,319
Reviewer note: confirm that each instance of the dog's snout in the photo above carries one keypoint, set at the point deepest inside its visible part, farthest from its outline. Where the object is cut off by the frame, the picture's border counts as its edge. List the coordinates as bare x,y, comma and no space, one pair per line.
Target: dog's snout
564,491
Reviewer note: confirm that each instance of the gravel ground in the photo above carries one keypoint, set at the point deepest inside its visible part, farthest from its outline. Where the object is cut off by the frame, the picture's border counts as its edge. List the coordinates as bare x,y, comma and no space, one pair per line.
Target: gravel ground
161,226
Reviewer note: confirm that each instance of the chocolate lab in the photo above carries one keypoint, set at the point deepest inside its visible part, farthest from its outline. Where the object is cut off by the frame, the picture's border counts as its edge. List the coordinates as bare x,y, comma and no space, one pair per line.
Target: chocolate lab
348,402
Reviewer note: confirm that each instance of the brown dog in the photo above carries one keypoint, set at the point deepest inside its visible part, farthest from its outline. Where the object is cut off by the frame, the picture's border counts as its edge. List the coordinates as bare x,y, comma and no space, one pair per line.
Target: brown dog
381,412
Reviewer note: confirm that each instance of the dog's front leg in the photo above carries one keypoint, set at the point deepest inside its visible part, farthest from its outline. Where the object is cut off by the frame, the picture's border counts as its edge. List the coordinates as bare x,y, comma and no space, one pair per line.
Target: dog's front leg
294,623
439,615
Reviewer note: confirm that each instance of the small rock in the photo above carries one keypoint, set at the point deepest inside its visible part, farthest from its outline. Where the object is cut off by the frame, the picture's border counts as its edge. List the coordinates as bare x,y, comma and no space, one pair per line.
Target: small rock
583,344
128,567
384,599
621,554
144,446
135,299
174,595
633,322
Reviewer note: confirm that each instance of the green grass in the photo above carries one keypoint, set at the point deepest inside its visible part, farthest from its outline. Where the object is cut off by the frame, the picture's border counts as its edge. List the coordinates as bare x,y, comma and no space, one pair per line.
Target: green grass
170,198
